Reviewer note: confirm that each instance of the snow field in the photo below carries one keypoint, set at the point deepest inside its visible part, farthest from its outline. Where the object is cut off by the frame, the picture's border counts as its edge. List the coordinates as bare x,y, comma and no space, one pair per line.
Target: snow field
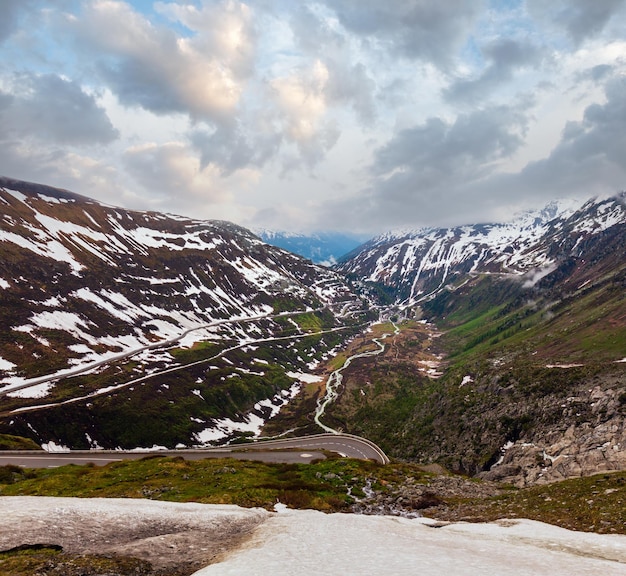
305,542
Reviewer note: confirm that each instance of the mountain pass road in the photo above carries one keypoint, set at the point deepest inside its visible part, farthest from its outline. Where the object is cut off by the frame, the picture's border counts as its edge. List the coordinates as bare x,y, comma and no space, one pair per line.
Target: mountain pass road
291,450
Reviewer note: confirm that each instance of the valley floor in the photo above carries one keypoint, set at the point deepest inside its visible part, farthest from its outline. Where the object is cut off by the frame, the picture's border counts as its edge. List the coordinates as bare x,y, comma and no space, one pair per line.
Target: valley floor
233,540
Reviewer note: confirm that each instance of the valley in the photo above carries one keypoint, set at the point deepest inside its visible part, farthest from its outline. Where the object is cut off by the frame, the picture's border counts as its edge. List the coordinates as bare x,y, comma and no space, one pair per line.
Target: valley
494,351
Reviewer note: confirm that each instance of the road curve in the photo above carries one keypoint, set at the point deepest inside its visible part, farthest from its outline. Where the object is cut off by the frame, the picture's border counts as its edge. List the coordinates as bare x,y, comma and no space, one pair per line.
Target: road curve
345,444
284,450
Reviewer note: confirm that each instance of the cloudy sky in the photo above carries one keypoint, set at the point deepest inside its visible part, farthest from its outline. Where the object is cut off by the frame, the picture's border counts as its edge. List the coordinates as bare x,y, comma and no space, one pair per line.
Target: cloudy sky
358,115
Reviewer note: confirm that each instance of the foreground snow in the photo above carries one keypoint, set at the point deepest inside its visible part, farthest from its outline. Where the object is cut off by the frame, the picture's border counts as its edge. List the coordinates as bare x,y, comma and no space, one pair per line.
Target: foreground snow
311,543
305,542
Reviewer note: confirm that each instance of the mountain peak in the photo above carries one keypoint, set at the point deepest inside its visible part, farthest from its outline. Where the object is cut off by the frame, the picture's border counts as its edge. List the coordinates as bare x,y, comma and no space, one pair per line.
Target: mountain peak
422,261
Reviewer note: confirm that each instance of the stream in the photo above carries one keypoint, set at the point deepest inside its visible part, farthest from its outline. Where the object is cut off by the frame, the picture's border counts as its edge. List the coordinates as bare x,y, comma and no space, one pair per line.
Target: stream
335,379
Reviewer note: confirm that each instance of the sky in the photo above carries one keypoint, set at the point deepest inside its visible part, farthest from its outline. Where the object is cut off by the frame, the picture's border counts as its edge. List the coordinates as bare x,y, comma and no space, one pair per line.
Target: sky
357,116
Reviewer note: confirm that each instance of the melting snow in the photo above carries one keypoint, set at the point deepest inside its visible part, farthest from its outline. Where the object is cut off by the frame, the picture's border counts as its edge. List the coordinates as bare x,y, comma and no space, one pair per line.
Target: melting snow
6,365
53,447
253,422
311,543
466,380
303,377
37,391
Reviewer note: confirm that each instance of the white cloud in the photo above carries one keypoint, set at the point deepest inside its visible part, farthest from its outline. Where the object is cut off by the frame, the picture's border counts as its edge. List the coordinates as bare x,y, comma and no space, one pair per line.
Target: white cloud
302,100
151,66
313,115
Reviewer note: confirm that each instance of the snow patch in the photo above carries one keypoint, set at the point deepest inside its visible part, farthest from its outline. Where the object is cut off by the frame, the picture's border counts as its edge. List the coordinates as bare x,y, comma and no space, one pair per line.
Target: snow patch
54,447
6,365
311,543
306,378
37,391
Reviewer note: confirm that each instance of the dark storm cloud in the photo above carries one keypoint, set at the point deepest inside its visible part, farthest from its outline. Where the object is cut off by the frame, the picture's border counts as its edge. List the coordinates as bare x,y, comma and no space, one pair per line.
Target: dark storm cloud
429,30
505,57
52,109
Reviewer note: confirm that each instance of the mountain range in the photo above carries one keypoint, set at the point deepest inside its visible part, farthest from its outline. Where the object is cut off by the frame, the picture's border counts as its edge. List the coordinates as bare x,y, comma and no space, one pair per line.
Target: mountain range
98,302
325,248
530,320
131,329
418,263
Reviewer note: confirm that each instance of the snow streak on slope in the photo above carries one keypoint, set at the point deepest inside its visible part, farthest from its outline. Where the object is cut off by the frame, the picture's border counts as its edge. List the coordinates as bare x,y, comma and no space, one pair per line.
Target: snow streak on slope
114,281
420,262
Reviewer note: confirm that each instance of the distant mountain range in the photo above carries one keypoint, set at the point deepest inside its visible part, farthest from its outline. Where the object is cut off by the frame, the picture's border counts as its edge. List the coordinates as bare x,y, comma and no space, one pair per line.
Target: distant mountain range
417,264
325,248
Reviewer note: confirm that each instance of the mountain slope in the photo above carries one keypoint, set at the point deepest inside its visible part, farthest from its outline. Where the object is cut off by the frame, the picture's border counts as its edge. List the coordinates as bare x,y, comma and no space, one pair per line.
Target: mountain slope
82,283
418,263
531,385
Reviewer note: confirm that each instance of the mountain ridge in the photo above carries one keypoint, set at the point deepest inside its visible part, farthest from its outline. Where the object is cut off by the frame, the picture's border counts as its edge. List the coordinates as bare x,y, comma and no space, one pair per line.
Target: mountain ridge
124,294
325,248
417,263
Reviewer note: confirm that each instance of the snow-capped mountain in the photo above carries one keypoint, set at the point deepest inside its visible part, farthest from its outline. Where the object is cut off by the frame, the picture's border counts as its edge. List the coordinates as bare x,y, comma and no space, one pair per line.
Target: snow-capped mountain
325,248
418,263
530,321
84,285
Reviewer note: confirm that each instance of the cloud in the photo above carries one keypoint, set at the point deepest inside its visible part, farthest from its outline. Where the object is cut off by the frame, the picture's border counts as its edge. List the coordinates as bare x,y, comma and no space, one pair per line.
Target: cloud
231,147
436,151
302,101
11,10
62,168
589,159
153,67
232,42
348,78
595,74
53,109
581,19
427,30
340,114
505,57
434,171
313,33
172,174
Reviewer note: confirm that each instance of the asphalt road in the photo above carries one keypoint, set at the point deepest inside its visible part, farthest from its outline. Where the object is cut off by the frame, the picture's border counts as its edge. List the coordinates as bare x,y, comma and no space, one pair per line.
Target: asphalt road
101,457
293,450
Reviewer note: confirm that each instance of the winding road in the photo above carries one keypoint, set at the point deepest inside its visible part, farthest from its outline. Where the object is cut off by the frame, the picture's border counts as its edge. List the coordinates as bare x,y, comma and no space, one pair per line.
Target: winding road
282,450
164,344
292,450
